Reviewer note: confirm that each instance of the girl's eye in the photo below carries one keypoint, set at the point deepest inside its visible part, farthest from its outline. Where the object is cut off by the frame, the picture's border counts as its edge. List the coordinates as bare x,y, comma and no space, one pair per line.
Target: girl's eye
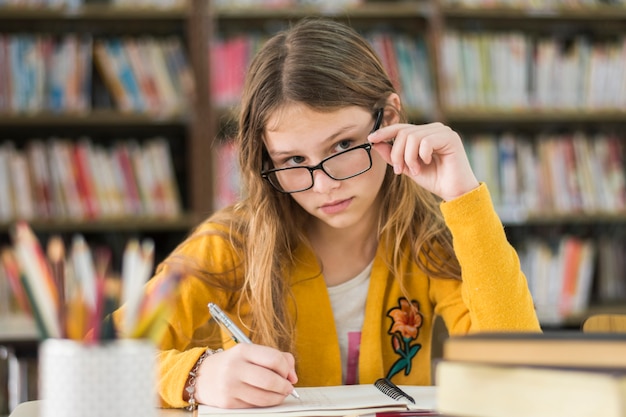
343,145
294,161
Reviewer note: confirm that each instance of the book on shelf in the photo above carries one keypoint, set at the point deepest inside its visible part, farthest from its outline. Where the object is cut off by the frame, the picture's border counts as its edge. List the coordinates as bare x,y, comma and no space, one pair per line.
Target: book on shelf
6,203
610,287
226,175
108,72
122,155
555,374
40,178
339,400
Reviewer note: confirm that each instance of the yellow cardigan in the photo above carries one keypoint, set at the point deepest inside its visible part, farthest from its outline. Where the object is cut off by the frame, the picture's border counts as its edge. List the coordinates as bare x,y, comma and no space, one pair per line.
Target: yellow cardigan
395,342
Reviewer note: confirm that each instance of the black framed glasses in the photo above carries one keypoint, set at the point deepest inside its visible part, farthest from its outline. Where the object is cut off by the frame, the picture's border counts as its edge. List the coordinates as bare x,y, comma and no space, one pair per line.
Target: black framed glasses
340,166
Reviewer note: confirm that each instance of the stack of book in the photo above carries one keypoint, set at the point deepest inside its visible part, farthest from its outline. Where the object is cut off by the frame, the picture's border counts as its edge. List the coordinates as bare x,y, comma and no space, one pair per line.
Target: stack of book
559,374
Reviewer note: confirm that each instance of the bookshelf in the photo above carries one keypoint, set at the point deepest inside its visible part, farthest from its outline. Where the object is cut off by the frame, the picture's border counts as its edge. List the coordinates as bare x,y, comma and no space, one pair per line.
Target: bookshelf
187,132
537,116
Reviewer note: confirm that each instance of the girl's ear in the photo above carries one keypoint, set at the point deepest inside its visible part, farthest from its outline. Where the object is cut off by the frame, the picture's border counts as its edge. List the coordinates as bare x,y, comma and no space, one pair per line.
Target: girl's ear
392,109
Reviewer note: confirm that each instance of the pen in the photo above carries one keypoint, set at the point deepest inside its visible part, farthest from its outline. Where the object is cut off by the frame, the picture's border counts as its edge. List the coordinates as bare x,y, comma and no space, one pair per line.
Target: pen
235,332
224,321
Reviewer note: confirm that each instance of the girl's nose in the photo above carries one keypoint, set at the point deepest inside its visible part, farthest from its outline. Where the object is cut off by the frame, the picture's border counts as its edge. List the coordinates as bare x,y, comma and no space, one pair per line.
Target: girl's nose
322,182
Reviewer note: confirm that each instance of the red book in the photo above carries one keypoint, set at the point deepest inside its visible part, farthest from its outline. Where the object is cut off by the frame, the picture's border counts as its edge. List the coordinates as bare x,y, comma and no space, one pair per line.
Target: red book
84,181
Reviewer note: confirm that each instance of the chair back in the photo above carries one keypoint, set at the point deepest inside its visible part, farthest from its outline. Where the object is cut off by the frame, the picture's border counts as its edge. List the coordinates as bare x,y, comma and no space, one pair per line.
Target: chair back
605,323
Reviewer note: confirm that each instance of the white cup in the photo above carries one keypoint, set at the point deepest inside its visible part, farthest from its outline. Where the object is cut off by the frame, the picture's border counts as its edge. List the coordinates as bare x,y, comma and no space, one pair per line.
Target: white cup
114,379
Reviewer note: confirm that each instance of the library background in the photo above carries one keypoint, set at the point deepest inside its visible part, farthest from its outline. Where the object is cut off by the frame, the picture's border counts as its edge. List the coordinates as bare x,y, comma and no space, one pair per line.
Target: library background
116,115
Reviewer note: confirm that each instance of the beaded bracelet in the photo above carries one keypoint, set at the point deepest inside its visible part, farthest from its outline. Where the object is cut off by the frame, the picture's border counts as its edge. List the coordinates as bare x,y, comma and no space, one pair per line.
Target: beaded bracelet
191,382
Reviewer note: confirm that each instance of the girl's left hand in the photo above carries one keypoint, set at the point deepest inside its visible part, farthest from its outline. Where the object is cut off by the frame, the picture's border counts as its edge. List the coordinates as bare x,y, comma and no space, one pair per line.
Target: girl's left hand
431,154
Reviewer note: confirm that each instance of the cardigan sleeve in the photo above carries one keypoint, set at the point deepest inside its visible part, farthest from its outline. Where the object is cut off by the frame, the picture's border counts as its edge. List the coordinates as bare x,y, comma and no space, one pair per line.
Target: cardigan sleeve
493,294
189,330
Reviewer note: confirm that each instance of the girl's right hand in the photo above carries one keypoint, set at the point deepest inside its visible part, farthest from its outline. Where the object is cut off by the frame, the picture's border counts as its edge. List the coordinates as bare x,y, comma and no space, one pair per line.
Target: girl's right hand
244,376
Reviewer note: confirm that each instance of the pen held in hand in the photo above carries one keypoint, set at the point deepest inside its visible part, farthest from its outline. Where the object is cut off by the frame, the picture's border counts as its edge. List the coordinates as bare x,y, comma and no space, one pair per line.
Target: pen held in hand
235,332
223,320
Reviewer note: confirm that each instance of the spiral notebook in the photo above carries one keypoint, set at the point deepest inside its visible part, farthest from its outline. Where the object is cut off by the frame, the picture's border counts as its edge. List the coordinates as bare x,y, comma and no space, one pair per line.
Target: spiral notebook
340,400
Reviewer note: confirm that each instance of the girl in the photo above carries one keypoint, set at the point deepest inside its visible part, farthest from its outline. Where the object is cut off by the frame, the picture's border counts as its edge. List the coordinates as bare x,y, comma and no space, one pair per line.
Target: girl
357,229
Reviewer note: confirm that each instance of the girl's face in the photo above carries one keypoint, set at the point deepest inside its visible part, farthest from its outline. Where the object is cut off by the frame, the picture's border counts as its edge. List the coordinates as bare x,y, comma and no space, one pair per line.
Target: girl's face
298,136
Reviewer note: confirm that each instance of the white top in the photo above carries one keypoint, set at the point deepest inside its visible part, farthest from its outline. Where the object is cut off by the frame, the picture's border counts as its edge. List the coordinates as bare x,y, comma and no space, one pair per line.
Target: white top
348,302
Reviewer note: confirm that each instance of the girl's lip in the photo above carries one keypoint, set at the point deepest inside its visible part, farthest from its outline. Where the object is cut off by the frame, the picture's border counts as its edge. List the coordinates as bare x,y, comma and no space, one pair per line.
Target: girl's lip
336,206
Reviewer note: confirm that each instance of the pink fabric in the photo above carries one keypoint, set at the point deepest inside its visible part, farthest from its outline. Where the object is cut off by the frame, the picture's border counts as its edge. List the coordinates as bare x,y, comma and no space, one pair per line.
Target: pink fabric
354,345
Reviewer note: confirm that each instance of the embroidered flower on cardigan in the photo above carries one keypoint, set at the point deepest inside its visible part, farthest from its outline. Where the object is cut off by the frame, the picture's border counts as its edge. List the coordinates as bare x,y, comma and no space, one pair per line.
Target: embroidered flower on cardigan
406,322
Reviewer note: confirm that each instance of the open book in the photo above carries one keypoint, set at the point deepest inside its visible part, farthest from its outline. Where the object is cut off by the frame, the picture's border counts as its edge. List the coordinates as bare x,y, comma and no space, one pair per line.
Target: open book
336,401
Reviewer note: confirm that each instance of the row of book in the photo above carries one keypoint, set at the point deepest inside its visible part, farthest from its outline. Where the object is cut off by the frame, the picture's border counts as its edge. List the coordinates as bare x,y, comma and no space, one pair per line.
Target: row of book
535,4
146,75
45,73
562,173
77,3
62,179
568,274
514,70
559,276
405,58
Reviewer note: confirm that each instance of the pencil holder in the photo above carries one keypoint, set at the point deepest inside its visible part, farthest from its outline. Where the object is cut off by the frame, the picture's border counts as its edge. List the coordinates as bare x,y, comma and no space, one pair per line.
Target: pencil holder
115,379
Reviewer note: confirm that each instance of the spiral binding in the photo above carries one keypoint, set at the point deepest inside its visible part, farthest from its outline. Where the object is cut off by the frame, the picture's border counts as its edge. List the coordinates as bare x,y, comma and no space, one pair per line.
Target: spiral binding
392,390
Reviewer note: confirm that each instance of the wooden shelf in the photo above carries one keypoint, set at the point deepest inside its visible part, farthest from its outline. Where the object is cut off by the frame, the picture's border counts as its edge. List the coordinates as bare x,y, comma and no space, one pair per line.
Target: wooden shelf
102,20
16,328
535,116
127,224
92,119
584,219
598,14
377,10
93,12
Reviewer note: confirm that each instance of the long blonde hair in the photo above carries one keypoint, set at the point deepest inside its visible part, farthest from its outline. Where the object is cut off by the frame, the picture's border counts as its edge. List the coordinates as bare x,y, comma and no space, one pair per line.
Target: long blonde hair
325,65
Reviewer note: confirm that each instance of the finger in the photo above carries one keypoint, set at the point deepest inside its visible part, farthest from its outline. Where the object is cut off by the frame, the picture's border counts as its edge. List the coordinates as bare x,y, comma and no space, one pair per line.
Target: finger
412,155
386,134
398,151
384,150
426,150
292,376
244,395
438,141
263,386
424,143
269,358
